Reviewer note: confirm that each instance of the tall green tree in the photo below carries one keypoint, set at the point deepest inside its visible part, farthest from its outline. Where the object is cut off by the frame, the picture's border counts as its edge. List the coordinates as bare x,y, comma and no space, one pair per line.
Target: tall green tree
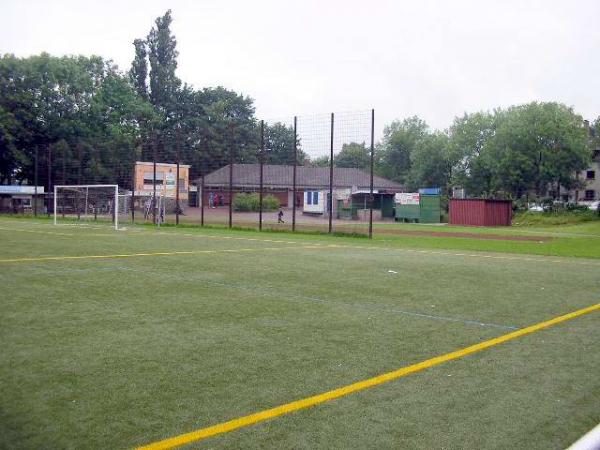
279,145
138,74
430,163
468,137
353,155
400,139
162,54
535,146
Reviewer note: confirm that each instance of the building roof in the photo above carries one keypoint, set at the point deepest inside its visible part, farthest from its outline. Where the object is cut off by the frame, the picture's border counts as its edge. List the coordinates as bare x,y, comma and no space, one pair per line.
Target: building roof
275,176
161,164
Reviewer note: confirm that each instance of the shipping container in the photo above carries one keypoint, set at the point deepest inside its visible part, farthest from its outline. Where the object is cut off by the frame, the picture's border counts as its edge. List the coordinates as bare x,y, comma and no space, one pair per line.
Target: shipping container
430,209
480,212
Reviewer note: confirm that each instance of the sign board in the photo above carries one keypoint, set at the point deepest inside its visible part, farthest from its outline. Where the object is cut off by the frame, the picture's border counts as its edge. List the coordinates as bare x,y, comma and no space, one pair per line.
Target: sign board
407,198
170,181
20,189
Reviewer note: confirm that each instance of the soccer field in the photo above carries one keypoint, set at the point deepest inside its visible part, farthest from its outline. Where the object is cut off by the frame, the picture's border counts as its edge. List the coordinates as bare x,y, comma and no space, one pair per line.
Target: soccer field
123,339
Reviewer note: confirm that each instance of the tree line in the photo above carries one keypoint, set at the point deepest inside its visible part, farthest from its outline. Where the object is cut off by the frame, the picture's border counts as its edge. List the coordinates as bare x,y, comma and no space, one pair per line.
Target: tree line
89,122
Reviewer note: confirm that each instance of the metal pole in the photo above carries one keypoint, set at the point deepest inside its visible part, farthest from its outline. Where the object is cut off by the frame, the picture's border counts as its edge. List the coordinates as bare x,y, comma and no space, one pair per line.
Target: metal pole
64,176
133,195
116,208
261,161
231,178
201,198
35,182
330,200
49,179
294,175
371,185
154,179
55,205
79,157
178,143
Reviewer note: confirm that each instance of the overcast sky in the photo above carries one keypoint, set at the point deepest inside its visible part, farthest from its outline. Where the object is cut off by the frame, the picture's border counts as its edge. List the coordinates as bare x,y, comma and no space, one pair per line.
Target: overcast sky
434,59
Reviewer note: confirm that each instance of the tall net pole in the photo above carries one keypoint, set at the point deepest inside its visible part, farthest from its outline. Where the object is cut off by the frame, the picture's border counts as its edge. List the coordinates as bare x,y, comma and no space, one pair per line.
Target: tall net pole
371,175
261,161
329,203
231,159
35,182
133,194
178,144
49,179
154,178
294,189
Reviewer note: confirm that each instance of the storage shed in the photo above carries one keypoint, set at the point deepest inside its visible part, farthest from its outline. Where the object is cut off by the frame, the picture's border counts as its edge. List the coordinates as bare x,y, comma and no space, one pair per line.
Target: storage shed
480,212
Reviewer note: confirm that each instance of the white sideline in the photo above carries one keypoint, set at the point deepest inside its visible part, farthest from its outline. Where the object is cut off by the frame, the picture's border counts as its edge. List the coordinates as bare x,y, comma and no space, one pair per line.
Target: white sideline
590,441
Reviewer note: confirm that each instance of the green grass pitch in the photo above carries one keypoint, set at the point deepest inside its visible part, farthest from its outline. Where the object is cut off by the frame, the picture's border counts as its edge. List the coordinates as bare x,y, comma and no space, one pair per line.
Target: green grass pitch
120,352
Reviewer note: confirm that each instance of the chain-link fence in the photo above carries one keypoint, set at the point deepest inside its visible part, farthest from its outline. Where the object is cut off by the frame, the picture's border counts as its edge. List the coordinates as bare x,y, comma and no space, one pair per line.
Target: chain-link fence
292,173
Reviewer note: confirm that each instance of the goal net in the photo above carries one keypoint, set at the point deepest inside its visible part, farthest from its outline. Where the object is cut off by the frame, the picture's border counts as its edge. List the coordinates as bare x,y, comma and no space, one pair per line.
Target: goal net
91,203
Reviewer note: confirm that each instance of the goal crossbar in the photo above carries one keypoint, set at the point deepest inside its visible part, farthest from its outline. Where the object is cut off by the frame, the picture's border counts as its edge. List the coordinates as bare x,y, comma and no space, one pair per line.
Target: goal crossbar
87,186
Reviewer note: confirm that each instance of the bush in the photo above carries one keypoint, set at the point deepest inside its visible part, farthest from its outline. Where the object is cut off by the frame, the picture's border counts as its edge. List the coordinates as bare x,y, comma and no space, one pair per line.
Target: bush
250,202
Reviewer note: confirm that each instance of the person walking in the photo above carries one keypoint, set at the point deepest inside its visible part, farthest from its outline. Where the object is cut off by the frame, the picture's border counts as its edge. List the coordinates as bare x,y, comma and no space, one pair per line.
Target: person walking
280,216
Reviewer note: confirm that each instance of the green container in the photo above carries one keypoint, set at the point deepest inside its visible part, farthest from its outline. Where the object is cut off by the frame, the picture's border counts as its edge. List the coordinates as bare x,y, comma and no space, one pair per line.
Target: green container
387,206
408,212
430,209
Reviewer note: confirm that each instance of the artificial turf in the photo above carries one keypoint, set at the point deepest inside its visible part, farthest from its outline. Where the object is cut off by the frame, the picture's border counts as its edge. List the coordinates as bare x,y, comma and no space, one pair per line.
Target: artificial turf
119,352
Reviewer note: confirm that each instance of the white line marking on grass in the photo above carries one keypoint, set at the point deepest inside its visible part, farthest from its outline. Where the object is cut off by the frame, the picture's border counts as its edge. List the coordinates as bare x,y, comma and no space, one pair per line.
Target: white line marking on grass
276,292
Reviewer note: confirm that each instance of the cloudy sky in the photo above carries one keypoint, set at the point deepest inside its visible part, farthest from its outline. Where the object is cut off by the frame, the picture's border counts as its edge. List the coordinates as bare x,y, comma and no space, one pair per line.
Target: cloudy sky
434,59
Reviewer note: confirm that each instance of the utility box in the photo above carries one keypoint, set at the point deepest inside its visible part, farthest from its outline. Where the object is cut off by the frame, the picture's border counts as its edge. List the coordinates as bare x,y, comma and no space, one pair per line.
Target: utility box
430,209
418,207
407,206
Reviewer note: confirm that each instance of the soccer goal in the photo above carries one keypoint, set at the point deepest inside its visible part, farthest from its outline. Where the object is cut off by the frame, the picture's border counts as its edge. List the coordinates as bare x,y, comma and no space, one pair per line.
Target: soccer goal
90,203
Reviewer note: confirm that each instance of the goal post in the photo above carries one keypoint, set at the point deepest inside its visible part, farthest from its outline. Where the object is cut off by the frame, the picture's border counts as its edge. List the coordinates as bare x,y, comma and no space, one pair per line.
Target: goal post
86,202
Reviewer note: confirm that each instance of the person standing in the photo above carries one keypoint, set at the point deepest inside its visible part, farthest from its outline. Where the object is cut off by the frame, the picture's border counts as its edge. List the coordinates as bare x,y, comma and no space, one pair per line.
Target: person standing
211,200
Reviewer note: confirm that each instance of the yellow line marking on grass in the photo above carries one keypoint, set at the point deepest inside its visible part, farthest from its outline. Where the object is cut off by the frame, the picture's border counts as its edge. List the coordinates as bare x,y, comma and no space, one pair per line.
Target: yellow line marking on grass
133,255
297,405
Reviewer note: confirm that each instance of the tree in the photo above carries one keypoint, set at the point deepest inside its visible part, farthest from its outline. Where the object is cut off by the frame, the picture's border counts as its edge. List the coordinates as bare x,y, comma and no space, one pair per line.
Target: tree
353,155
321,161
60,104
279,145
469,136
430,165
535,146
162,54
138,73
399,141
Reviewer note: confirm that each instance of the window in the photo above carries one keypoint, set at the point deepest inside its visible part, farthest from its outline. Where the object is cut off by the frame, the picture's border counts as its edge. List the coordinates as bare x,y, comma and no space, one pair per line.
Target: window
591,175
315,198
589,195
148,178
308,197
182,185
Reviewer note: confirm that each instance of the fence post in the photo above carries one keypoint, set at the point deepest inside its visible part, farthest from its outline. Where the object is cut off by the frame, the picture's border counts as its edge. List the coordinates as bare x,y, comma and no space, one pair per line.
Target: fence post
133,194
330,200
261,162
64,174
49,180
294,189
154,178
231,159
201,199
35,182
371,184
177,143
79,169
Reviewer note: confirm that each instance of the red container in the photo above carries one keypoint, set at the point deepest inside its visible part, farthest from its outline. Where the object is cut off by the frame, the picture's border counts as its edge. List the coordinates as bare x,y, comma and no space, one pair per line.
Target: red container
480,212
